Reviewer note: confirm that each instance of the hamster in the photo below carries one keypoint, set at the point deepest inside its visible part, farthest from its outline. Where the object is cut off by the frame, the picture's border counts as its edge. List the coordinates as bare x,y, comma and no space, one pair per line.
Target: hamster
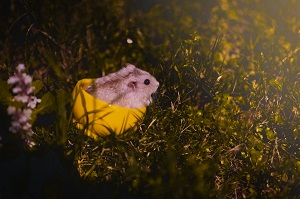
129,87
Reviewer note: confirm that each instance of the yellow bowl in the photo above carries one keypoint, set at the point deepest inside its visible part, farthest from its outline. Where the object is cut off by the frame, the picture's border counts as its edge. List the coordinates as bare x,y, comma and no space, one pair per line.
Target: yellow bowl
99,118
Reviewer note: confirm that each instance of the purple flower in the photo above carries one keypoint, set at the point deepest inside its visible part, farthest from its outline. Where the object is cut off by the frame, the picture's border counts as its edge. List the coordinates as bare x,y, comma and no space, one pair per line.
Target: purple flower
21,83
32,102
21,87
20,119
20,68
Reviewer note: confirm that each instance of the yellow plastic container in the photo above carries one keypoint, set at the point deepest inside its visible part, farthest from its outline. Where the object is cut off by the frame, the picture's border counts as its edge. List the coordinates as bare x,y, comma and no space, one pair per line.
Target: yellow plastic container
99,118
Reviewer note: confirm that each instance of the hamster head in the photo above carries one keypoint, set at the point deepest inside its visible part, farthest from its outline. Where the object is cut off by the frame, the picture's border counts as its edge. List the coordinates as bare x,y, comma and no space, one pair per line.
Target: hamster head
139,85
129,87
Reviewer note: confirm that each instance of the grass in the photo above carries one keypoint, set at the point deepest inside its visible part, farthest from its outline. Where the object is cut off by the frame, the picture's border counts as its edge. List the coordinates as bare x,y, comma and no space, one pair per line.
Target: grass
225,123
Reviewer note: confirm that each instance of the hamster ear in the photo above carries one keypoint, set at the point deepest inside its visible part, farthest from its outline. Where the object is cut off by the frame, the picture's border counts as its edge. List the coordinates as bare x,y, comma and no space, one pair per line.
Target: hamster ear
130,66
132,85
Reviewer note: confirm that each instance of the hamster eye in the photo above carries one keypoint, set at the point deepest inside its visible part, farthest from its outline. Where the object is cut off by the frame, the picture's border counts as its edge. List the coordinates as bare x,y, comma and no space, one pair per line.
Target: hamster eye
147,82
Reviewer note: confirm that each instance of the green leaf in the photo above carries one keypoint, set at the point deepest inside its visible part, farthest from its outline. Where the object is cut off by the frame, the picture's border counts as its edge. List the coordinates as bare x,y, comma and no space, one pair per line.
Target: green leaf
278,119
62,98
5,95
297,164
270,134
47,104
255,156
285,177
259,144
277,83
53,63
38,85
